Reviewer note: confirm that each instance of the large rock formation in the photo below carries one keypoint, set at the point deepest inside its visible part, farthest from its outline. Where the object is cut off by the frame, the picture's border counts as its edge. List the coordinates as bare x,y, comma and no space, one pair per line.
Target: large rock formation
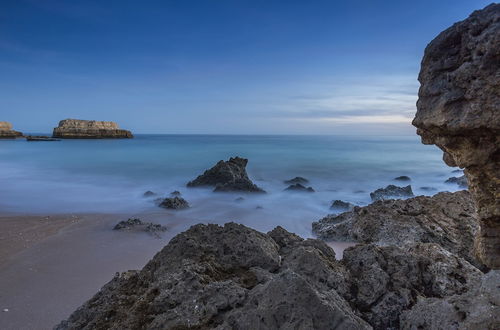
89,129
6,131
459,111
233,277
227,176
446,219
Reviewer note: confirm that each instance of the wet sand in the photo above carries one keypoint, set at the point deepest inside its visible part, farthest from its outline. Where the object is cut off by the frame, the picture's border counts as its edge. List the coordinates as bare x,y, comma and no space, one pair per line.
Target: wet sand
50,265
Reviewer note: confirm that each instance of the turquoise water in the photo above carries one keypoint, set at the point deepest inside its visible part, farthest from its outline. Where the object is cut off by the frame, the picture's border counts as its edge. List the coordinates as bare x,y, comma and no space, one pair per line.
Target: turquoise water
112,175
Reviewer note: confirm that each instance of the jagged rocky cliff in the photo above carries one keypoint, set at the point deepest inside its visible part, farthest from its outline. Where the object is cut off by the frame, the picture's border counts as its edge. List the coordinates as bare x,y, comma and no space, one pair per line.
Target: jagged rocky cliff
7,132
89,129
459,111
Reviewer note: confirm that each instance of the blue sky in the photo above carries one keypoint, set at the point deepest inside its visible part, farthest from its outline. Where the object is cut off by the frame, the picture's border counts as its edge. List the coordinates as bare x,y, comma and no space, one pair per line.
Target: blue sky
217,66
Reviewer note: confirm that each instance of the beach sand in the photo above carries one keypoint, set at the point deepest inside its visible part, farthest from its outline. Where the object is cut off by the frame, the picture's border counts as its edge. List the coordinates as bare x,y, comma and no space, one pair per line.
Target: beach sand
51,264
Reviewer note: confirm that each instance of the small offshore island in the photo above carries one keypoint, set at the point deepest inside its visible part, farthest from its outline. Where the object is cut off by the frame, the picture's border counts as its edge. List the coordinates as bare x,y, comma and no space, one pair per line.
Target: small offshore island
89,129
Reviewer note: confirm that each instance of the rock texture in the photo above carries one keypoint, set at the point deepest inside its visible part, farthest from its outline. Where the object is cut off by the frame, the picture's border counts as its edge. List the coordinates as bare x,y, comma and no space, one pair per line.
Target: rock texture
458,110
461,181
228,176
342,206
6,131
445,219
298,187
89,129
391,191
134,224
229,277
174,203
297,179
233,277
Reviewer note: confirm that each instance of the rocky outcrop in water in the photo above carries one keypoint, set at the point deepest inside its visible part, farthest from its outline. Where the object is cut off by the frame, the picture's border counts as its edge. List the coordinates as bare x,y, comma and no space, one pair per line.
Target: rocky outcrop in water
458,110
6,131
402,178
341,206
445,219
89,129
134,224
391,191
461,181
299,188
227,176
174,203
297,179
233,277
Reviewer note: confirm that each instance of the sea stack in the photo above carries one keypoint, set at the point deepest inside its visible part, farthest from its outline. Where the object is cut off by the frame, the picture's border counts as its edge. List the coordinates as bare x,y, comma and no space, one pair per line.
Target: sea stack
6,131
458,110
90,129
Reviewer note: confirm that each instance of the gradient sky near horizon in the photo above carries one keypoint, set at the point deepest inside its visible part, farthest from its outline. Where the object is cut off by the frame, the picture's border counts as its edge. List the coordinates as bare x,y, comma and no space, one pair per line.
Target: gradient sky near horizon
218,66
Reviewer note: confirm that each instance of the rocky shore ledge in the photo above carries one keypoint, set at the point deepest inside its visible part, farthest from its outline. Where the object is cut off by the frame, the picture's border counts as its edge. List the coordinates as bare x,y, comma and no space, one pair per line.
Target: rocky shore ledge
6,131
89,129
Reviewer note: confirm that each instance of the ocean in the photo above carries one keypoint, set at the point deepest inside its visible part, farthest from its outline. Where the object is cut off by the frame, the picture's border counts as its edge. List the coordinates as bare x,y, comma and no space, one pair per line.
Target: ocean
111,176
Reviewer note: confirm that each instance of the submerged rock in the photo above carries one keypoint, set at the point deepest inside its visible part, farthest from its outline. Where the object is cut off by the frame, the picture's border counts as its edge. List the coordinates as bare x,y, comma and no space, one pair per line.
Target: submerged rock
391,191
149,193
297,179
6,131
428,188
174,203
229,277
299,187
175,193
461,181
339,205
228,175
89,129
402,178
239,199
458,110
138,225
446,219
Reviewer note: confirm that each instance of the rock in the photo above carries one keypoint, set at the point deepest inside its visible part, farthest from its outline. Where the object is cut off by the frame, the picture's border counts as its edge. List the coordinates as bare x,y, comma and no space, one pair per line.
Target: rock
391,191
297,179
299,187
239,199
339,205
428,188
174,203
38,138
457,110
175,193
6,131
446,219
228,175
258,207
457,171
229,277
478,308
149,193
461,181
385,281
138,225
402,178
89,129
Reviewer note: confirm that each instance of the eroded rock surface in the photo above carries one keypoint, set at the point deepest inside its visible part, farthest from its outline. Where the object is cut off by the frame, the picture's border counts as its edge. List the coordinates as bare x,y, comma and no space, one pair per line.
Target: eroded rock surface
89,129
227,176
6,131
445,219
134,224
229,277
461,181
459,111
341,206
174,203
391,191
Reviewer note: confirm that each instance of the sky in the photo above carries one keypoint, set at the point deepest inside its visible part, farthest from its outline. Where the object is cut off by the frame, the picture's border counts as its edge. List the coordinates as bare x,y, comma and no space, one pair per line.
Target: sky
219,66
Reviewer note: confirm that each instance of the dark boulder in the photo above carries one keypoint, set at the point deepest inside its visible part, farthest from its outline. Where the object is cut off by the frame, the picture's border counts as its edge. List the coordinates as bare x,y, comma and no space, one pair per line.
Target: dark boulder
149,193
174,203
227,176
391,192
461,181
297,179
175,193
342,206
134,224
402,178
299,188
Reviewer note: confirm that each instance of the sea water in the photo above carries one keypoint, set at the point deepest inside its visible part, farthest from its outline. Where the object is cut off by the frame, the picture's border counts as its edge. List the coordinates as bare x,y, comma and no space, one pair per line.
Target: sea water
111,176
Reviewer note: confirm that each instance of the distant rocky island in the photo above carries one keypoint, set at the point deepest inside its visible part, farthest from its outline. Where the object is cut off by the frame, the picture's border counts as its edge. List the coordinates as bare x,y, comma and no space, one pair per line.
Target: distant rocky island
6,131
90,129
